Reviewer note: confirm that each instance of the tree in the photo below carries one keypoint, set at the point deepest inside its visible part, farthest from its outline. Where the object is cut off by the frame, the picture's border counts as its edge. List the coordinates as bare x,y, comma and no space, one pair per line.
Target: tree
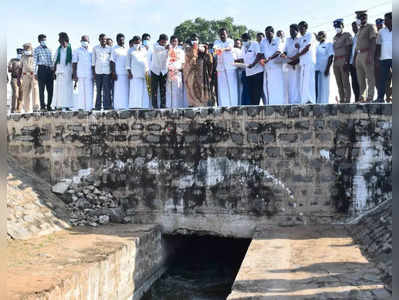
208,31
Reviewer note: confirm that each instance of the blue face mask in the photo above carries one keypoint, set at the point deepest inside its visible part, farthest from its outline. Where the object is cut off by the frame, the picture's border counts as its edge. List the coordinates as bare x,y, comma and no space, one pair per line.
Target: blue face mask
146,43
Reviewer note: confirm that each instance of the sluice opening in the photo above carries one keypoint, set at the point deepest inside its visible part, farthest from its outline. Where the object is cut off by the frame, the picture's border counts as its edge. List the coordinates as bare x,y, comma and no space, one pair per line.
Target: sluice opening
200,268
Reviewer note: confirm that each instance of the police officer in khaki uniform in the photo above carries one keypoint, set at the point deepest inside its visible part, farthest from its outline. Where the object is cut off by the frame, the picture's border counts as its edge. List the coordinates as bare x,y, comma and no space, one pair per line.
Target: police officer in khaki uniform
14,67
29,82
342,54
364,56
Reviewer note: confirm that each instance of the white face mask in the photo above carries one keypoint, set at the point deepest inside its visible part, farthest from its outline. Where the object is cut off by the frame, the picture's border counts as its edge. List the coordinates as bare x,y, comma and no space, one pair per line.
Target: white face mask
245,44
28,52
358,22
338,30
43,43
84,44
136,46
19,56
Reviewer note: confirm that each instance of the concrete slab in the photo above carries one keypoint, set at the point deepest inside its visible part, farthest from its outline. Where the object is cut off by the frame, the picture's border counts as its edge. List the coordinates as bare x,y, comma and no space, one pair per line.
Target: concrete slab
306,262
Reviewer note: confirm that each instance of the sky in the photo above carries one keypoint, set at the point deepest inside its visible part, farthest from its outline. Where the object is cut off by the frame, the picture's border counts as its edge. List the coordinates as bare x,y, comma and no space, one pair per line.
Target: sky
28,18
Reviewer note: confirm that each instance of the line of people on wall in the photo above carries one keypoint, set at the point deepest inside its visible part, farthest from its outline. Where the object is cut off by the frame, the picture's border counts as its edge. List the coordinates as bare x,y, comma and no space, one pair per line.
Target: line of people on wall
271,70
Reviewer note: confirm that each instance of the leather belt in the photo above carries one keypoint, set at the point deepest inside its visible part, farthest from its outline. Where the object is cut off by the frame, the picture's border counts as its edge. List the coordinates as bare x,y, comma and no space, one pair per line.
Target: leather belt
27,73
362,50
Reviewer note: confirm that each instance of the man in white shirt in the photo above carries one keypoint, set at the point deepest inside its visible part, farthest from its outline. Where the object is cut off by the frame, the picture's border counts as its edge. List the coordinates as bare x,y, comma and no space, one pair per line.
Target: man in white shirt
174,83
324,59
273,80
242,79
254,71
137,68
119,73
227,79
281,34
293,67
102,73
159,71
307,61
384,54
82,74
63,73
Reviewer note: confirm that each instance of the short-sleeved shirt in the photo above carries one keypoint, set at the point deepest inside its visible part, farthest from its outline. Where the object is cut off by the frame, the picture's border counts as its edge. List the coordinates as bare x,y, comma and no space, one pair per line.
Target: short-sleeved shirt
118,56
269,48
384,39
137,62
15,66
341,44
27,64
82,57
365,34
323,52
225,61
309,57
249,54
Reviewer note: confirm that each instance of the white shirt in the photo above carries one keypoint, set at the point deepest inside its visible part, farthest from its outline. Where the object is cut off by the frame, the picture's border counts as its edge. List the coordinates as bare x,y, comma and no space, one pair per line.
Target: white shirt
249,54
61,67
159,60
225,61
384,39
101,58
323,52
310,56
290,46
118,56
268,49
137,62
83,58
353,49
180,59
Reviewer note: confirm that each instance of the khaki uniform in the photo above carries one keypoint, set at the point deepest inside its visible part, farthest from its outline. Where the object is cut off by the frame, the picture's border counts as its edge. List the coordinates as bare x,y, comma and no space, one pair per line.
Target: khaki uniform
365,71
29,84
15,67
341,44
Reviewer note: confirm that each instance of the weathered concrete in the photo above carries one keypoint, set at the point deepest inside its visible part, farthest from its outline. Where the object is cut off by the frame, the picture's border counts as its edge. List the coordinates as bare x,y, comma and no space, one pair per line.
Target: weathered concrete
220,170
306,262
111,262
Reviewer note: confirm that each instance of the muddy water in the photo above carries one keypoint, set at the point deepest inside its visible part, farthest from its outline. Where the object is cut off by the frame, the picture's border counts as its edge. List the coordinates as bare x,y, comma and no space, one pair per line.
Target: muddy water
204,268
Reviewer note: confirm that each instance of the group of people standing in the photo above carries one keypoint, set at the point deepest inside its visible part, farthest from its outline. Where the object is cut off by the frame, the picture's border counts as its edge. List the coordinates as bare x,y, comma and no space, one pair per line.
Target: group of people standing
170,73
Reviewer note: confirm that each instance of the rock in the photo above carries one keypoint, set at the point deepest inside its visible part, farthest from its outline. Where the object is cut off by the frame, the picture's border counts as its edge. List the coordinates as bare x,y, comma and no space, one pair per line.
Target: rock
103,220
61,187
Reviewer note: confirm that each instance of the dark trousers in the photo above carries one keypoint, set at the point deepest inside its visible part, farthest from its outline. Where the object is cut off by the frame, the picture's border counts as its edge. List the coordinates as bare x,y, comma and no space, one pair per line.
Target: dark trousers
355,83
161,82
46,81
385,68
255,87
103,84
245,99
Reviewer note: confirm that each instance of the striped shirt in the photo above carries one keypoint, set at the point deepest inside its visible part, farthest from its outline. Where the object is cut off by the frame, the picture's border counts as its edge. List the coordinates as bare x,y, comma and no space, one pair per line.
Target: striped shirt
42,57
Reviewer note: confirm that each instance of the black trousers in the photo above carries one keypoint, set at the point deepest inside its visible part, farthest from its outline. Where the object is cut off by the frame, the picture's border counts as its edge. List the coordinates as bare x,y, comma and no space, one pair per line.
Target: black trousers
46,81
103,85
158,80
255,87
385,67
355,83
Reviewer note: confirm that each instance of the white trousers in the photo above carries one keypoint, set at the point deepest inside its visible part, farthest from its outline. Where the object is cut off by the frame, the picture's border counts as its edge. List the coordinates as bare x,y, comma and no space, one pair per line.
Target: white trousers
293,78
174,90
63,90
138,94
121,92
85,94
273,85
227,88
307,83
323,88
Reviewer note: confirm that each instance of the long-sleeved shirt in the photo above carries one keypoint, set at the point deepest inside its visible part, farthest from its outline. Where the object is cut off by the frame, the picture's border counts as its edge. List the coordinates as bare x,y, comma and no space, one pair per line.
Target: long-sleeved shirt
42,57
137,62
101,59
159,62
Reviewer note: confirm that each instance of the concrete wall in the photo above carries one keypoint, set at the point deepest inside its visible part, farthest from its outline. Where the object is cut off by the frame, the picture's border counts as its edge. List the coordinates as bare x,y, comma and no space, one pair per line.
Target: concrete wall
220,170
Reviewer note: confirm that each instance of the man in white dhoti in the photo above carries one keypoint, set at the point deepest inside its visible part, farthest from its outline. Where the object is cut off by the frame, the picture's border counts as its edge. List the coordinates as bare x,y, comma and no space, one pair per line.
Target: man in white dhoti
293,67
63,73
324,59
174,82
83,75
226,72
138,69
273,80
119,73
307,60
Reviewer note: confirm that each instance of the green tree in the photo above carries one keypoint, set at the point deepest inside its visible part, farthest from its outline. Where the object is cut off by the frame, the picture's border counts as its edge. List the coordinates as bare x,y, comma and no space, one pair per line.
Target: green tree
208,29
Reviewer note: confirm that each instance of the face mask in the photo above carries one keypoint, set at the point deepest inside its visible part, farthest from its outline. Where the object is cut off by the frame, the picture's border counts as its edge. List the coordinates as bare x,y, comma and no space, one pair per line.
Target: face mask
84,44
146,43
28,52
194,42
245,44
358,22
19,56
136,46
43,43
338,30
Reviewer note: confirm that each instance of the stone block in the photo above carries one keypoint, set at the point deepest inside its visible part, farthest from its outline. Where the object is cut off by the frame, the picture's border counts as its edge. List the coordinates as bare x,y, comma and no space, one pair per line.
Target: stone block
288,137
